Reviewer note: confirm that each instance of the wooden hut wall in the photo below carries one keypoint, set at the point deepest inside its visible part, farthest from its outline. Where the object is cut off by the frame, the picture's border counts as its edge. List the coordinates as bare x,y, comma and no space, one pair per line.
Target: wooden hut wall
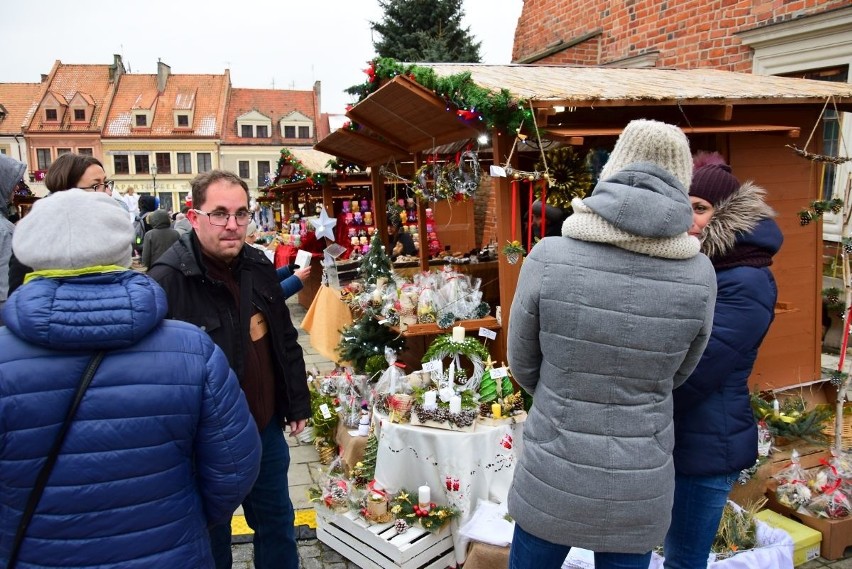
790,354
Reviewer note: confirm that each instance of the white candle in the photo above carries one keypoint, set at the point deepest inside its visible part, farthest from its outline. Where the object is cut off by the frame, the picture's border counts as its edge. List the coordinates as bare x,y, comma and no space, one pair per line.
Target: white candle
430,400
458,334
451,374
455,404
775,406
424,496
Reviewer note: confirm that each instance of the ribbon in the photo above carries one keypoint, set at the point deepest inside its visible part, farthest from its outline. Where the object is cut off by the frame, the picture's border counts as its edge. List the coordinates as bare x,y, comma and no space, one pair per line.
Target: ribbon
529,217
515,184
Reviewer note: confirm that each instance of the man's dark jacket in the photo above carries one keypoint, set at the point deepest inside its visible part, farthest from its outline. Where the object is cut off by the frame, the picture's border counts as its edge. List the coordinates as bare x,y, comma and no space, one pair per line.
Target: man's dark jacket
196,298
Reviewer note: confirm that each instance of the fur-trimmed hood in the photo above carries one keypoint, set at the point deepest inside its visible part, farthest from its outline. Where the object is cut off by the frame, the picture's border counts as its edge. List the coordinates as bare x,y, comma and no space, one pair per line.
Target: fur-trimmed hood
735,217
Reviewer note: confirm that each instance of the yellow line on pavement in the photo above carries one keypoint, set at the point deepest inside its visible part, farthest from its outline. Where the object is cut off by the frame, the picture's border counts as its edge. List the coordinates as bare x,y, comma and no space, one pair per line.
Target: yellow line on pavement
303,518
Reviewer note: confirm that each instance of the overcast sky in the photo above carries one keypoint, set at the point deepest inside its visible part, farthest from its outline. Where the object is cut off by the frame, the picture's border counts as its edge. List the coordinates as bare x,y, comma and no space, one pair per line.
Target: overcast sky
290,43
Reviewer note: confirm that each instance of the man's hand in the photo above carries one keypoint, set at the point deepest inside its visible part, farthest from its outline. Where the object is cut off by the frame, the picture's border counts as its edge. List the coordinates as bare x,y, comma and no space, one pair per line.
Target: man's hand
297,427
303,274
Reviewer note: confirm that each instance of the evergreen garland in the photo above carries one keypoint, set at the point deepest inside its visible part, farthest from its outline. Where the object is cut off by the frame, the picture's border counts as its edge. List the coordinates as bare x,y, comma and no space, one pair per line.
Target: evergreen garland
370,453
403,507
474,103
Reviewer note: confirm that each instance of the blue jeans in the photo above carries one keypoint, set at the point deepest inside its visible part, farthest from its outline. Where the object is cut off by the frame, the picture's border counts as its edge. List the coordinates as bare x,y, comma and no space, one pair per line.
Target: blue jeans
698,505
531,552
268,510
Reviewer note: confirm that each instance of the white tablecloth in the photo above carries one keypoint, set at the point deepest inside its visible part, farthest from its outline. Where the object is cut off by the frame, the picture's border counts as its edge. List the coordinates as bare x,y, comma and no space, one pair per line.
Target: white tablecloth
460,468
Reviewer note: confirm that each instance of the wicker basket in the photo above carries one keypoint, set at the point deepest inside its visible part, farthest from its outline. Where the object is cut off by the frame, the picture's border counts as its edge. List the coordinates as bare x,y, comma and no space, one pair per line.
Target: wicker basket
845,436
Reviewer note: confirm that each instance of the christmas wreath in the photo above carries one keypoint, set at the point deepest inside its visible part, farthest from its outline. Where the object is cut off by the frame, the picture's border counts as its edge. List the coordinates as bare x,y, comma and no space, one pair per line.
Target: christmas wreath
406,509
444,347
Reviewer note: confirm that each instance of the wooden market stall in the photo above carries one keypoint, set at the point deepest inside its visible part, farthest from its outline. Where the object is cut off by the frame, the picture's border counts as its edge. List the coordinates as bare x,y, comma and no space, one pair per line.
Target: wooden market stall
750,119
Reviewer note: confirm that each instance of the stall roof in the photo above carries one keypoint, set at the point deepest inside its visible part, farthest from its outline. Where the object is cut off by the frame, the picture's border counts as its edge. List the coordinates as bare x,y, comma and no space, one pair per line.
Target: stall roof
605,86
312,159
403,117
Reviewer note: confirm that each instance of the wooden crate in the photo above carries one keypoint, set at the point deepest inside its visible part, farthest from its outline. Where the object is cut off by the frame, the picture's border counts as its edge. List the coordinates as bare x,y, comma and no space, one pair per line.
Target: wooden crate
378,546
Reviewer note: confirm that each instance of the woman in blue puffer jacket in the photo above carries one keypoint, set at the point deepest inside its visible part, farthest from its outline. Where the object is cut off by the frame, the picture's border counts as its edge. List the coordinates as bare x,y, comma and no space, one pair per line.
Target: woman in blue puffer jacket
162,444
715,429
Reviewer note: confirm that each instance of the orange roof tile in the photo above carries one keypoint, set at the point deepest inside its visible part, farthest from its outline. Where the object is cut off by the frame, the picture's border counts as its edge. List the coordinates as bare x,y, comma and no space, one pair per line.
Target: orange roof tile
91,81
20,100
201,93
273,103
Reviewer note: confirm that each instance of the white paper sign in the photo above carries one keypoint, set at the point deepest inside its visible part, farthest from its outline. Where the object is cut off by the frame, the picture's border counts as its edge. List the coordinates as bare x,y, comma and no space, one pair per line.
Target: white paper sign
303,259
326,412
497,171
499,372
434,366
486,333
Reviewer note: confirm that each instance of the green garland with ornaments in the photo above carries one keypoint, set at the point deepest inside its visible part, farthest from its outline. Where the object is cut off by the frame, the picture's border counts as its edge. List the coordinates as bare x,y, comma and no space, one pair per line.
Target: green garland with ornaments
472,102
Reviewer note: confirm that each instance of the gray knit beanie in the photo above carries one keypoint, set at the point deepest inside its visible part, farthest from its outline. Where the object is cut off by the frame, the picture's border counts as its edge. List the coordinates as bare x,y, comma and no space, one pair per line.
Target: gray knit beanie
651,141
74,229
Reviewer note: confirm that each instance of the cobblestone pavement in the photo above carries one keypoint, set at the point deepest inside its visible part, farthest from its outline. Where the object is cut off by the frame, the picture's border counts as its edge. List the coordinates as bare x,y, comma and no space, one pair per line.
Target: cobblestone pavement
314,554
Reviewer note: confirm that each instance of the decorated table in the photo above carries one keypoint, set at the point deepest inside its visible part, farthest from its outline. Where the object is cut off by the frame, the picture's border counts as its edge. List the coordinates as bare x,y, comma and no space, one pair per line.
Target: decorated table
459,467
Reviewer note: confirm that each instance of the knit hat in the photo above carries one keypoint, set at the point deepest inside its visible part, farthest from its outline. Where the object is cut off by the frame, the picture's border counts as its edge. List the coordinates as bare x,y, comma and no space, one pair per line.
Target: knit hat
74,229
713,183
651,141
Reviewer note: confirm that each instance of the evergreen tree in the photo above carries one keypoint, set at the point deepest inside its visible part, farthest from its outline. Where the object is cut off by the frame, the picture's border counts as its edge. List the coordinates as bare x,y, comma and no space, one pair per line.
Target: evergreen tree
425,31
365,338
370,453
375,263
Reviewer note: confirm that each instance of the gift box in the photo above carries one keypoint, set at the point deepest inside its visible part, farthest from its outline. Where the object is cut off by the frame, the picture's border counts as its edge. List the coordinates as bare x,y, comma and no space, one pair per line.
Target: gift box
806,541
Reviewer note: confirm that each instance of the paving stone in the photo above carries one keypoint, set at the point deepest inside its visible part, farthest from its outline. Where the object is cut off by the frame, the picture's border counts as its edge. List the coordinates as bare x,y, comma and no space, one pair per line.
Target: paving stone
813,564
242,552
309,551
299,497
305,533
298,475
312,563
303,454
331,556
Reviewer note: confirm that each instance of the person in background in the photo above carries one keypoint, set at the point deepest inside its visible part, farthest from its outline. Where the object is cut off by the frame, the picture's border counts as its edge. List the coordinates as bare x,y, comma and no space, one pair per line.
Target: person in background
606,321
715,429
158,240
182,224
11,174
131,200
213,279
69,170
162,444
401,243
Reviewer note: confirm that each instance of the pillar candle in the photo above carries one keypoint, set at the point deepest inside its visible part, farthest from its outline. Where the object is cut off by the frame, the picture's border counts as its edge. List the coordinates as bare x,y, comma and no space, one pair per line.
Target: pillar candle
496,410
455,404
424,496
458,334
430,400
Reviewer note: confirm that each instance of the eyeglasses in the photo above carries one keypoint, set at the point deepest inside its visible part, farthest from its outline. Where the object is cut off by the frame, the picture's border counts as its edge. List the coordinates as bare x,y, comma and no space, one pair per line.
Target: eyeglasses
108,185
221,218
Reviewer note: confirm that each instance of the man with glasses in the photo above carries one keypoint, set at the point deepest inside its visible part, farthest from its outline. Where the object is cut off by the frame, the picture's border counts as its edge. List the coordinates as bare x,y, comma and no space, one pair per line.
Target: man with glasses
230,290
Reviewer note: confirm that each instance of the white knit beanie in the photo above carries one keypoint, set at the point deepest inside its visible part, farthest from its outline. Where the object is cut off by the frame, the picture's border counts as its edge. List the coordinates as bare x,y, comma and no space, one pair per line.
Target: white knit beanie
651,141
74,229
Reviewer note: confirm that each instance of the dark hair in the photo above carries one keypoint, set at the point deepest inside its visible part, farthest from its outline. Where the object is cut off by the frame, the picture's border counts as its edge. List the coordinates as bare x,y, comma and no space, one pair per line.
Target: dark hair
201,182
67,170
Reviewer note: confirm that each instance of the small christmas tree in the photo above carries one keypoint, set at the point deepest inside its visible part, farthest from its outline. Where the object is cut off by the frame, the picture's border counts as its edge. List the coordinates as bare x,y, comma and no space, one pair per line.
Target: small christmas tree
365,338
370,452
376,263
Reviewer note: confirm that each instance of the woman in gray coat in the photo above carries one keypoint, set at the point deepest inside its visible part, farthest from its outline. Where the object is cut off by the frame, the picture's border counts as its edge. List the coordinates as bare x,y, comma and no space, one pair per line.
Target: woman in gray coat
606,321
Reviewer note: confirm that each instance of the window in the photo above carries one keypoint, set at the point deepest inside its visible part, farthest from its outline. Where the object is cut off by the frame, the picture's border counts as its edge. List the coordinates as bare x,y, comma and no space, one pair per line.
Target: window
289,131
183,120
262,171
3,150
85,152
121,164
141,120
184,163
61,151
79,114
204,163
164,162
142,163
43,158
245,131
50,114
263,131
244,169
304,132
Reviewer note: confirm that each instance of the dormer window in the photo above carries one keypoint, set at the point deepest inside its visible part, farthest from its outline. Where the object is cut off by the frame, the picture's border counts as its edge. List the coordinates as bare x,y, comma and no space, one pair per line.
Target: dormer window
141,121
183,121
80,115
298,126
254,124
50,115
262,131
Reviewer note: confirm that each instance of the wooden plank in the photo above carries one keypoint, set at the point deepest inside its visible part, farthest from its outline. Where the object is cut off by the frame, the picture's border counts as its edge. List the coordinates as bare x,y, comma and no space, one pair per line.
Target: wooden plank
488,322
585,131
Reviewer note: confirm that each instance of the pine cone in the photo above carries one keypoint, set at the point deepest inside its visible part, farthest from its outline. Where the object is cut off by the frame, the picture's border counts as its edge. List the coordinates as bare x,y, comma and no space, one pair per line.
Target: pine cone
401,526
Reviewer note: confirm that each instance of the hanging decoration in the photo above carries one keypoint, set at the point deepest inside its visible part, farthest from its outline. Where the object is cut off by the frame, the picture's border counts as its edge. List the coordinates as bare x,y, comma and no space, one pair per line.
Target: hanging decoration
803,152
290,170
818,208
324,225
569,176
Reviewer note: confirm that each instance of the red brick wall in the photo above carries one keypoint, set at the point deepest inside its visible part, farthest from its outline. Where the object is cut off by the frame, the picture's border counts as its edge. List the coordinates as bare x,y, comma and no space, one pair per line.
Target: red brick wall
688,34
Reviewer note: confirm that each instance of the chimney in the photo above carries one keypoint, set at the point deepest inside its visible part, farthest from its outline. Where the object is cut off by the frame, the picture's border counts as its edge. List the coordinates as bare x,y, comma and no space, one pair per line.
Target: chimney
163,72
116,70
44,77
